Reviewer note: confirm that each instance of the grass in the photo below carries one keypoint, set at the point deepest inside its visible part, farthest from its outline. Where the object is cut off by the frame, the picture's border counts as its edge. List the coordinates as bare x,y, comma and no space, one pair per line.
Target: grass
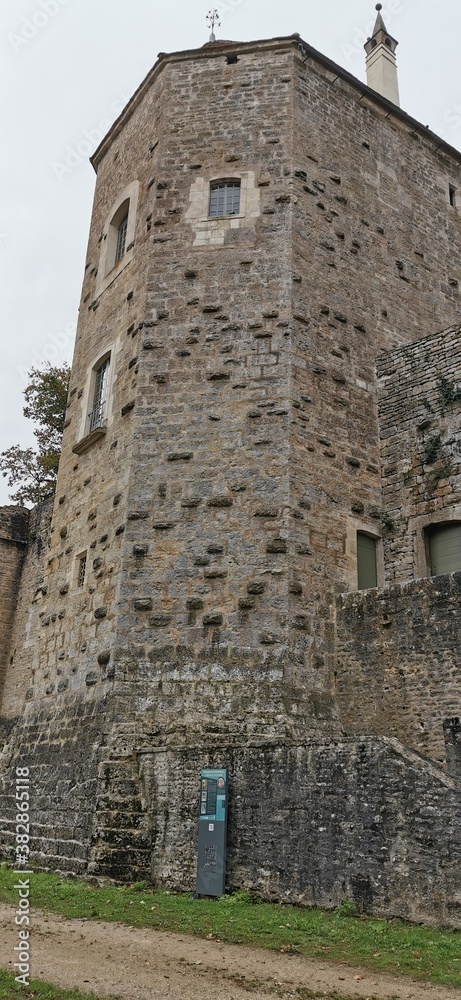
37,990
392,946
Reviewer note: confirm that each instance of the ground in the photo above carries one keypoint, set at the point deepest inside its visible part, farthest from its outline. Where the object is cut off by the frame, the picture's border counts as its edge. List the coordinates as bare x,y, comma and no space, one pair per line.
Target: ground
141,964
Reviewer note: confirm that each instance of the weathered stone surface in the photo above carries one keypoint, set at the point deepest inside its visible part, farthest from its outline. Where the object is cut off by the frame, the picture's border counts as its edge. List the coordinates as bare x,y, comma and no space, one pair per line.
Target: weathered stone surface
100,613
143,604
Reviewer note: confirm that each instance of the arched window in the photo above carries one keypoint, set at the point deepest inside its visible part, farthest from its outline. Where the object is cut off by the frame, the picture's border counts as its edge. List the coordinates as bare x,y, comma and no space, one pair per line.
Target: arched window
367,568
224,198
118,237
444,541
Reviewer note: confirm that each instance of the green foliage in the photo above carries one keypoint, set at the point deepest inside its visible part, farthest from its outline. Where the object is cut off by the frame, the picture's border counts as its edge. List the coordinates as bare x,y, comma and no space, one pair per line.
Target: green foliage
237,898
432,449
36,990
440,472
449,392
393,946
34,472
388,524
346,909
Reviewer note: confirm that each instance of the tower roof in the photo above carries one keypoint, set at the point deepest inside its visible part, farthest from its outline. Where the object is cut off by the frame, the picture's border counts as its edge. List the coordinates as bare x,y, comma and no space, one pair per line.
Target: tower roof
379,24
380,34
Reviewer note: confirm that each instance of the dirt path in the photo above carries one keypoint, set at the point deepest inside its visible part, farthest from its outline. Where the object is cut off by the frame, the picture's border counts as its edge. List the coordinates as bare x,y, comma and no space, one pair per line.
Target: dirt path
115,960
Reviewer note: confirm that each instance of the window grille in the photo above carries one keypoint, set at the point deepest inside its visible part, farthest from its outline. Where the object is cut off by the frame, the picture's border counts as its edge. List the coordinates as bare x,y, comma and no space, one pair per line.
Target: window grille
96,416
224,198
81,571
121,239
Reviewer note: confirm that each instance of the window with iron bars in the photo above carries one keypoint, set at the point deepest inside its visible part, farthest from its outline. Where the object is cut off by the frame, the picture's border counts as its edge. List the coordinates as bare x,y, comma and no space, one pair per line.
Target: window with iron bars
224,198
121,239
81,570
96,417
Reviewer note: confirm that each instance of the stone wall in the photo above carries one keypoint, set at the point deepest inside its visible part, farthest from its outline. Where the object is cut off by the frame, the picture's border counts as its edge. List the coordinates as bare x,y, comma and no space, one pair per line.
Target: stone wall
397,669
308,823
22,644
60,744
13,541
420,402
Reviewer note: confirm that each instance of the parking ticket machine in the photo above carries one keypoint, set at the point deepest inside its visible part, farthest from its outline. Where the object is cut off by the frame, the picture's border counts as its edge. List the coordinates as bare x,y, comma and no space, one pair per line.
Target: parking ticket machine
212,833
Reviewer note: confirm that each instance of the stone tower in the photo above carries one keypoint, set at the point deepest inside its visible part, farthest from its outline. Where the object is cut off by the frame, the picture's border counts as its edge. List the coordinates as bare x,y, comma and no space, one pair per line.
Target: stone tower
259,233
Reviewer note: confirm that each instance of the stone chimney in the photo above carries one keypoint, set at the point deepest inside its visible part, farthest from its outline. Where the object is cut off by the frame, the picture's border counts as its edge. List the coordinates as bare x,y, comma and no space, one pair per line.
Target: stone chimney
381,61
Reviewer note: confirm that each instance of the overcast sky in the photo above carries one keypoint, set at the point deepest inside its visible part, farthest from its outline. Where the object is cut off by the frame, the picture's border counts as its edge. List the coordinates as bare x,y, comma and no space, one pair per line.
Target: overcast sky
67,69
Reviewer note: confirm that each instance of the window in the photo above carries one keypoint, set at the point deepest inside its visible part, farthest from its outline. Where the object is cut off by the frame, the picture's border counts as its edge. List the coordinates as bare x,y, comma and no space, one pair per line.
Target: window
224,198
81,570
97,414
118,237
445,548
121,239
367,570
96,410
452,195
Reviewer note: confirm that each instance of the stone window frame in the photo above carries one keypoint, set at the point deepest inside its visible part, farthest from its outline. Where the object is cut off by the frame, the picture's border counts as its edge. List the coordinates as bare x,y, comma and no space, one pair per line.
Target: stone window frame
125,206
210,230
418,530
204,211
357,526
88,436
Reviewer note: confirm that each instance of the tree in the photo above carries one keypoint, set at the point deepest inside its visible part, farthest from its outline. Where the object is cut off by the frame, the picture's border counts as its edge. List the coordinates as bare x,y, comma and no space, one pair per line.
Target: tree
34,472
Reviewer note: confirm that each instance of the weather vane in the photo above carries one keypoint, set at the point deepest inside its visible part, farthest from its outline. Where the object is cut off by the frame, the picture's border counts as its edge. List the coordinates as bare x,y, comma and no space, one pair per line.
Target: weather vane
212,20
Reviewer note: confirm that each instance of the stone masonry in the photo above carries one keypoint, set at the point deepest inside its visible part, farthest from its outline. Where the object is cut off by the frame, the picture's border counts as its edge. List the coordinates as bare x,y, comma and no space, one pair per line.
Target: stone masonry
194,600
13,543
402,647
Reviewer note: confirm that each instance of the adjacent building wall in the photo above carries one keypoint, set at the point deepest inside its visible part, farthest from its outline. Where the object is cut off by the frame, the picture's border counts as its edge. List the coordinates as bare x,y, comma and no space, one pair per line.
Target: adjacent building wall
13,541
398,648
420,428
398,661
